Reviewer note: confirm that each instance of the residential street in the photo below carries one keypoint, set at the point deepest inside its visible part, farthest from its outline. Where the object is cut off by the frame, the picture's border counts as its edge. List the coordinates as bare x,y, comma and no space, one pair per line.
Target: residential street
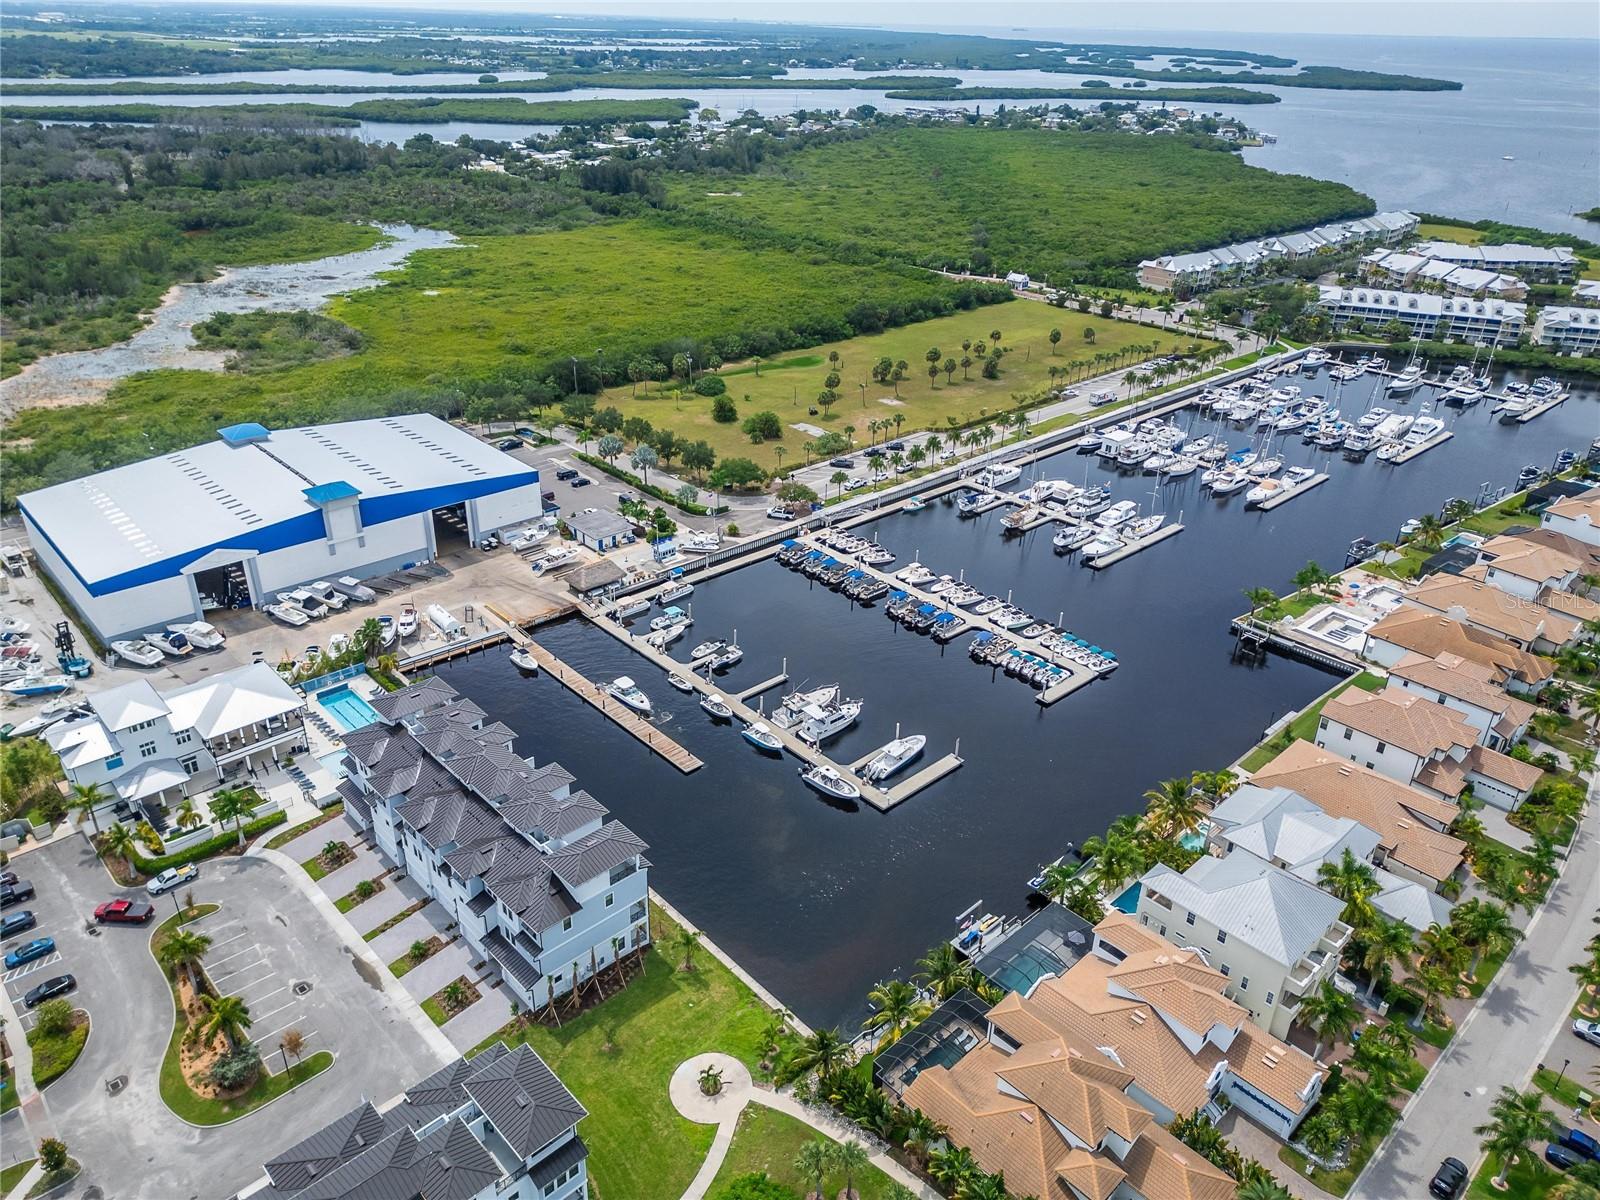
1521,1022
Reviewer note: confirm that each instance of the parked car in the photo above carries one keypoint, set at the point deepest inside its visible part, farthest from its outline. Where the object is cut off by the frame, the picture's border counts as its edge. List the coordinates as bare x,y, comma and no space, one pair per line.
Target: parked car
581,481
15,893
509,444
566,473
29,951
1589,1031
57,985
172,877
123,911
14,923
1580,1143
897,445
8,877
874,452
855,484
1560,1157
842,463
1447,1180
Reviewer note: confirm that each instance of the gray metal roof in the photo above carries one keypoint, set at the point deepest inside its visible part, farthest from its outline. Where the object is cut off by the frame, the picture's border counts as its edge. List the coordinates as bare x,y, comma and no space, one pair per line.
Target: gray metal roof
601,523
609,846
1254,901
511,960
441,1092
457,1166
524,1100
570,1155
303,1163
413,698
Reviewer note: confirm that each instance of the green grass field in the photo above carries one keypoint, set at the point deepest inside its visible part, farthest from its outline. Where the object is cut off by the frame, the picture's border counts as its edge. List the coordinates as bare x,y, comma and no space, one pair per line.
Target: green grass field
1428,231
789,385
1049,203
767,1140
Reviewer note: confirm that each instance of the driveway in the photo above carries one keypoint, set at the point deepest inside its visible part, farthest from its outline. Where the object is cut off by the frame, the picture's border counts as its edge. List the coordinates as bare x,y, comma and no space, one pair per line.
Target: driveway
266,937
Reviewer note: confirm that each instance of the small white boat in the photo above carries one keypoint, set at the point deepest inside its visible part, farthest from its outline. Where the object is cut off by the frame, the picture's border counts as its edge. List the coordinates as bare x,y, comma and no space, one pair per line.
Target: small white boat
829,782
1143,527
522,660
673,617
680,683
202,635
759,734
914,574
349,585
1076,539
1267,489
289,614
1230,482
48,715
388,635
328,594
407,624
716,706
676,592
630,608
173,645
822,723
142,654
1119,513
914,504
893,757
707,648
38,685
701,541
13,625
627,691
660,639
731,657
1104,542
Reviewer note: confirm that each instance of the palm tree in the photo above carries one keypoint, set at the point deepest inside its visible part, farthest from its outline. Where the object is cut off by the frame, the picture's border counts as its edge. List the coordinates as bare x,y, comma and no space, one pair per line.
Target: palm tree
227,1015
952,1168
1441,948
1261,1189
944,971
1173,808
897,1007
1432,982
1058,880
1352,881
1359,1107
182,950
236,805
686,941
1516,1120
1331,1013
86,797
823,1052
369,639
1484,928
1384,944
920,1133
1117,859
812,1164
1260,598
1430,531
188,816
851,1159
118,842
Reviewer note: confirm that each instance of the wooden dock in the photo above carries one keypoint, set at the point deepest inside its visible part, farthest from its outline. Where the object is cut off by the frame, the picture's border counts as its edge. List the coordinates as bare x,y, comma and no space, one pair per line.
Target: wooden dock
1285,497
1129,549
1408,454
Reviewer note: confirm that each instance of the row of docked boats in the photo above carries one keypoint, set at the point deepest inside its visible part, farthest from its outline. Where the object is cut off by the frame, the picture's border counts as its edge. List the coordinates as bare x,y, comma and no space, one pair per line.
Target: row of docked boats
851,545
1522,398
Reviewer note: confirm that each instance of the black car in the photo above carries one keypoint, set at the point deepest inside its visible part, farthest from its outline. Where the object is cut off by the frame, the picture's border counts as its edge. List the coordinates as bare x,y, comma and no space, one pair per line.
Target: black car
873,452
48,990
8,876
897,445
582,481
509,444
1560,1157
16,922
567,473
15,893
842,462
1447,1180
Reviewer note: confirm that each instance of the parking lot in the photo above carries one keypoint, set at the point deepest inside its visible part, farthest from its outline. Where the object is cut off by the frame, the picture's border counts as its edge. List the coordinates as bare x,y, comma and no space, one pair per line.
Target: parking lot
267,942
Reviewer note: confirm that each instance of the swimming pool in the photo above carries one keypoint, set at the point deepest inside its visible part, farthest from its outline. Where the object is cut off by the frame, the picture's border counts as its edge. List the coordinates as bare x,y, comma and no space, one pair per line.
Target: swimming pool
347,707
1128,901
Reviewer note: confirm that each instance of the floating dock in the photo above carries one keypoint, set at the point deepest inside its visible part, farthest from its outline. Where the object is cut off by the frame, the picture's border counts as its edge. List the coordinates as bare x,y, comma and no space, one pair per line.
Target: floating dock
1285,497
1438,439
1129,549
1539,410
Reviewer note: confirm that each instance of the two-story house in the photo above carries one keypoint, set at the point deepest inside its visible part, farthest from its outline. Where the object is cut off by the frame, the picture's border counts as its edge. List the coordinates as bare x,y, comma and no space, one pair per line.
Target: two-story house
1431,634
1524,623
1284,828
1423,744
540,883
148,749
498,1126
1274,936
1469,688
1577,517
1526,569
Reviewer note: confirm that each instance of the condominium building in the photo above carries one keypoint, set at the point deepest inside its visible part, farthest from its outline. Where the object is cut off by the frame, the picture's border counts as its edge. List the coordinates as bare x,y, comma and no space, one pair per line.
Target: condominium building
1424,315
1406,270
1208,268
1274,936
497,1126
1534,262
1569,330
540,883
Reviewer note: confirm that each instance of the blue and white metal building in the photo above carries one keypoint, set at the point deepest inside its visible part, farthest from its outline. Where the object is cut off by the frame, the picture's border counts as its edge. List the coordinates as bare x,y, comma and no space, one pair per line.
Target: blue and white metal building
139,546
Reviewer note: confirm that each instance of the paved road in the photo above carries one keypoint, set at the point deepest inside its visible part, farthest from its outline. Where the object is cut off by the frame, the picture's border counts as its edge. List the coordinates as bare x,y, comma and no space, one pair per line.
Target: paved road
266,937
1521,1017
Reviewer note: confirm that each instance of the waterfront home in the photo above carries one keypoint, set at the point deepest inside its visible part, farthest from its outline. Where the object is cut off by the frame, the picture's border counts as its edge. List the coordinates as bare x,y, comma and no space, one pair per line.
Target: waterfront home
1577,518
1570,330
1284,828
498,1126
1523,623
148,749
1431,634
1274,936
1532,262
1405,270
1423,744
1424,315
1411,823
1469,688
1526,569
539,882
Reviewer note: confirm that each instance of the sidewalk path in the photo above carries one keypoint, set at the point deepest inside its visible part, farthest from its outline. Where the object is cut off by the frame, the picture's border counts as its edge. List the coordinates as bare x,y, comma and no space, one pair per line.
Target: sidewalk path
738,1090
1503,1039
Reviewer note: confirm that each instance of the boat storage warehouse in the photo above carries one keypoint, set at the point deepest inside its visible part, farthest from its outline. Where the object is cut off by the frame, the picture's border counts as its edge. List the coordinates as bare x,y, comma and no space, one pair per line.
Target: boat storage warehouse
256,512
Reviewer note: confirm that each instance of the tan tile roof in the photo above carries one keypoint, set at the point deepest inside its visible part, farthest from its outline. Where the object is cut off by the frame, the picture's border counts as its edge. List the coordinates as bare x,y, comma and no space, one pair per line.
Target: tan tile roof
1432,634
1124,932
1569,605
1271,1066
1404,719
1582,551
1470,682
1576,507
1528,560
1161,1167
1092,1174
1445,776
1345,789
1180,984
1492,608
1081,1093
1503,767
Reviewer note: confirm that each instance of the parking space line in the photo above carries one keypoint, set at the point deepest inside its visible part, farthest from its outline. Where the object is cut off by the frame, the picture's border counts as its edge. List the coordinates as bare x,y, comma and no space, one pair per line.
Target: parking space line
218,976
30,968
263,1038
234,955
276,1011
228,941
264,996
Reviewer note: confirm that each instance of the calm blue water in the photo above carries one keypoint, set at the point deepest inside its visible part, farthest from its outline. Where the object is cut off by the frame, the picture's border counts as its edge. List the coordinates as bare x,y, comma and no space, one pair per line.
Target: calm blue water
819,902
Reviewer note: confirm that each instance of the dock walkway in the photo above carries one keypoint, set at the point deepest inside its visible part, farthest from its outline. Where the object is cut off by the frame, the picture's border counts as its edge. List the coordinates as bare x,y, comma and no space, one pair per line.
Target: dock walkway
1438,439
1284,497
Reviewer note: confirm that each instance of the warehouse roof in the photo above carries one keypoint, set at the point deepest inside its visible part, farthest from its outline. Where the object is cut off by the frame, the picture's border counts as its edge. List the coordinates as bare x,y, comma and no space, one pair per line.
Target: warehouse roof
255,491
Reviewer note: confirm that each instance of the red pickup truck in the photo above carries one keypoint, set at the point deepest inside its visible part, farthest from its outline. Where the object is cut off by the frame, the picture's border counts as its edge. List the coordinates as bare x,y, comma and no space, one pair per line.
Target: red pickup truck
124,912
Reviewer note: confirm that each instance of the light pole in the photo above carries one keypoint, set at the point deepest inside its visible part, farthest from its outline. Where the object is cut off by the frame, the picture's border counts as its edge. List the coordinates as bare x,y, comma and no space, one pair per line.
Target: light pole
285,1054
574,374
1565,1063
178,907
600,365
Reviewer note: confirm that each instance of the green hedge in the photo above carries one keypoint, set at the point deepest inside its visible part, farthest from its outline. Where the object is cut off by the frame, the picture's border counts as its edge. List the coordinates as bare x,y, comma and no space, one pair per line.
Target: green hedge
205,849
649,489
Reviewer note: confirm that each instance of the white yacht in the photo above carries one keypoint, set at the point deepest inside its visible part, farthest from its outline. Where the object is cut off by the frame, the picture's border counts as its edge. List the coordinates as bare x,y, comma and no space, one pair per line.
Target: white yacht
660,639
1075,538
1408,381
173,645
893,757
707,648
999,474
1422,429
627,691
1089,503
818,723
1264,467
1141,528
324,591
1230,482
1105,542
674,593
1181,465
202,635
407,625
1393,428
1373,417
1114,439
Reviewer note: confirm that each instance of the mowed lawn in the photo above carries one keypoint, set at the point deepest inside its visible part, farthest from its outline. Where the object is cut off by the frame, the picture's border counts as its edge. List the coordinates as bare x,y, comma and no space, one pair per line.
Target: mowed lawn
1463,234
618,1059
789,385
768,1141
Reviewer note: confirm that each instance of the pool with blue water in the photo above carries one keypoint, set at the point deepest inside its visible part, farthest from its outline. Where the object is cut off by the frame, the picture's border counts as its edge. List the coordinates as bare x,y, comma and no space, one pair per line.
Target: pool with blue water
347,707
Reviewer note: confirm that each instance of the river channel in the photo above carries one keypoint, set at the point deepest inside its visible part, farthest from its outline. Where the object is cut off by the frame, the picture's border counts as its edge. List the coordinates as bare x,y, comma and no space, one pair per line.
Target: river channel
820,902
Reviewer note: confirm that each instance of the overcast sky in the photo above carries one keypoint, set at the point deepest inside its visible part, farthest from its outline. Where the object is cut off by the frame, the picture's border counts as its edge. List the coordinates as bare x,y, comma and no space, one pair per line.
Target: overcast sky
1425,18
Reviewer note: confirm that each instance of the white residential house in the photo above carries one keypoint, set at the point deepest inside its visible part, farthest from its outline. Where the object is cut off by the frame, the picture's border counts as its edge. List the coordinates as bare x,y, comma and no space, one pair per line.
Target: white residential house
1422,744
540,883
1577,517
147,749
1272,934
497,1126
1571,330
1468,688
1526,569
1431,634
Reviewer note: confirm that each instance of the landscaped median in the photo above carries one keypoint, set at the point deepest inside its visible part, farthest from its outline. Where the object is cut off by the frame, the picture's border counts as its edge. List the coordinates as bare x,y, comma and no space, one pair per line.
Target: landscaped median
453,999
56,1040
211,1073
